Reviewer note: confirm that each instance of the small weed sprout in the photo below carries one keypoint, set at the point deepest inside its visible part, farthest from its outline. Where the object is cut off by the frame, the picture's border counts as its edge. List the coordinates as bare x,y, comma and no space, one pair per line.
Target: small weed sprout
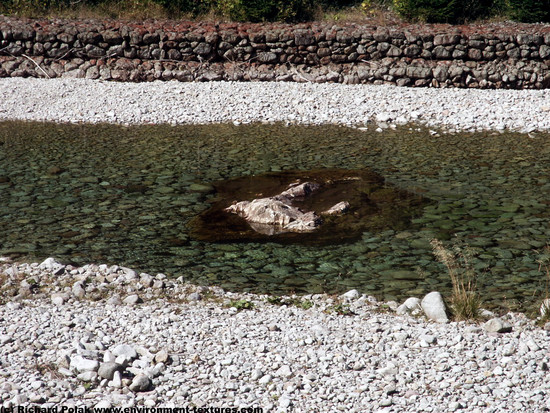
275,300
465,300
242,304
294,301
342,309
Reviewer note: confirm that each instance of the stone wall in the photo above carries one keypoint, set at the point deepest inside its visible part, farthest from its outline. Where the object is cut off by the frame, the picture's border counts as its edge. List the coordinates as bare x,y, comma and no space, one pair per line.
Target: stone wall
436,56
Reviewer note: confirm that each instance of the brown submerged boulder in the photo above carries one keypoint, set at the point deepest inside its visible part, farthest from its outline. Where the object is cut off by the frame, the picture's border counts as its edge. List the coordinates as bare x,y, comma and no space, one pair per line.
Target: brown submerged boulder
275,215
318,207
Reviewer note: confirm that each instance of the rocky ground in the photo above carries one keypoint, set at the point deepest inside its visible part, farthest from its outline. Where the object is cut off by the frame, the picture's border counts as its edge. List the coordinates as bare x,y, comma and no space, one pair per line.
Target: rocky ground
101,336
84,100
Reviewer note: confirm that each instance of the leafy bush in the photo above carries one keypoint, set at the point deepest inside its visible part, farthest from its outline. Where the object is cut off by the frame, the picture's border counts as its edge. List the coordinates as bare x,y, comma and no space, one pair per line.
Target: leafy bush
475,9
529,11
430,11
266,10
336,4
194,7
439,11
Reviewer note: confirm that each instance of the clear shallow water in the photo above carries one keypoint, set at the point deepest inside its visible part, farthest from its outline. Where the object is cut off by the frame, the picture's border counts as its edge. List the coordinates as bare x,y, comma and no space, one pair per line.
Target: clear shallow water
124,195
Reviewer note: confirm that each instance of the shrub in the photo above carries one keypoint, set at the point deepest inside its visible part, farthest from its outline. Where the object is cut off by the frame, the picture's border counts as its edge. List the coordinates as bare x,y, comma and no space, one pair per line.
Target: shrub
439,11
475,9
193,7
430,11
266,10
336,4
529,11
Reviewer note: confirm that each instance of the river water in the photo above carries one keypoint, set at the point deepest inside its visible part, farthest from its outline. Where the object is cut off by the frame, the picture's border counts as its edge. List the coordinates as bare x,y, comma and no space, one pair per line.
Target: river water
126,195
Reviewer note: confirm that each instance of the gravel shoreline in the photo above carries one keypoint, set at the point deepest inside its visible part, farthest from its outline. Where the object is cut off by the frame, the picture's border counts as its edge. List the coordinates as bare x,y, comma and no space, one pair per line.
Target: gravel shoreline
105,336
101,336
90,101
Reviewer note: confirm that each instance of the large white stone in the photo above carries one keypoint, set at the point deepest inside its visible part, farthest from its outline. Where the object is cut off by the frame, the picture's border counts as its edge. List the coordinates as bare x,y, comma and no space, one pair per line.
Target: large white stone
351,295
434,307
82,364
411,304
103,404
87,376
125,350
284,371
497,325
49,264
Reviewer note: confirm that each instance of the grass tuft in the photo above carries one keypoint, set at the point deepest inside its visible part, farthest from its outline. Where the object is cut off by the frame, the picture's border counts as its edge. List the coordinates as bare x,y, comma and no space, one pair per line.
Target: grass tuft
544,266
465,300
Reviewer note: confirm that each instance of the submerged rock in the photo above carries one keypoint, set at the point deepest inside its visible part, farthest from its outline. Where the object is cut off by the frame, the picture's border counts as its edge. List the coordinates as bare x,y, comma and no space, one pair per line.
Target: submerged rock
297,190
338,209
278,211
312,207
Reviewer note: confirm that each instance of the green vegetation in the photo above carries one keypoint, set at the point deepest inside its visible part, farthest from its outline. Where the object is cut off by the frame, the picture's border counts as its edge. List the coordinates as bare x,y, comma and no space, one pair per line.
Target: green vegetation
242,304
529,11
341,309
436,11
294,301
465,300
266,10
428,10
456,11
236,10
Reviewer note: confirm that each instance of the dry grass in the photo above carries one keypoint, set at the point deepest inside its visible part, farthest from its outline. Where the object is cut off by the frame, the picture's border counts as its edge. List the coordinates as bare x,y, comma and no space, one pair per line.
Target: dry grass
121,9
544,266
129,10
465,300
377,13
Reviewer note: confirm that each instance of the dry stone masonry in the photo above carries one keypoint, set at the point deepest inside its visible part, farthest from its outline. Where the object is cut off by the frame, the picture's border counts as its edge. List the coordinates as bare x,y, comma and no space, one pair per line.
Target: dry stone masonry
493,56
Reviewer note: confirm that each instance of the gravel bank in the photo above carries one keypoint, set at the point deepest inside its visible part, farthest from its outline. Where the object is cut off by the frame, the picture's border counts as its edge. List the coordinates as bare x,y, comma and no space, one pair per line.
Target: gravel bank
105,336
82,100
